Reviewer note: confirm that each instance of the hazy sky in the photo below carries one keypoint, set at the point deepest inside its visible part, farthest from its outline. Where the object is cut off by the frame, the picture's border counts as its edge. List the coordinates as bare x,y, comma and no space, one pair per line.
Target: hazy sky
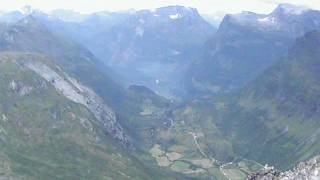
204,6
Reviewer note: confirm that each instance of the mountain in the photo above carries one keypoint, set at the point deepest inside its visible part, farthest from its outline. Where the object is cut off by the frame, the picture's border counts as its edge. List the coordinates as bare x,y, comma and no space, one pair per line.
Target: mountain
81,28
11,17
112,106
274,120
66,15
150,48
64,114
49,130
214,18
154,48
29,35
76,74
245,45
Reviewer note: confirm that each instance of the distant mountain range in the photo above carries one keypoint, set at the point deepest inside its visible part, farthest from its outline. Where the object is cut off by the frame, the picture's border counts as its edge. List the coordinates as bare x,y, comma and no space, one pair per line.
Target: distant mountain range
151,48
175,52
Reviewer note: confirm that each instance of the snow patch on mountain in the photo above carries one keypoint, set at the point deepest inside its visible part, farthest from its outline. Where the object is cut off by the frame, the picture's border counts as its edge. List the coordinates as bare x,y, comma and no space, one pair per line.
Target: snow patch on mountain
142,21
139,31
176,52
269,20
68,15
175,16
26,10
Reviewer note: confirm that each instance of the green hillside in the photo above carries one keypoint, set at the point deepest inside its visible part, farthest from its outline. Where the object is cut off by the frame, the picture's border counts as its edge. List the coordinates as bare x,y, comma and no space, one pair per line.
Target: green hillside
44,135
276,117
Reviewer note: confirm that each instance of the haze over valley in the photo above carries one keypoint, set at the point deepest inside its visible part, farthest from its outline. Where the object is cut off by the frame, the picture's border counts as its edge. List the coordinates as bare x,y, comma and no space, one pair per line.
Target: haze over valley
160,91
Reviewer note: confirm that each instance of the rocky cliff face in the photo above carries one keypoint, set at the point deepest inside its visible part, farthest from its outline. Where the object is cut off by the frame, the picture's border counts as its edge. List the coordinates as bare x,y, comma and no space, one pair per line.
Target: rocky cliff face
81,94
303,171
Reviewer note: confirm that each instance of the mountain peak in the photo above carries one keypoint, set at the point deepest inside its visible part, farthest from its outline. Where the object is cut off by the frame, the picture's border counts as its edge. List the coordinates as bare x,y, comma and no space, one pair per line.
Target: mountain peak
29,21
175,8
26,10
175,12
67,15
290,9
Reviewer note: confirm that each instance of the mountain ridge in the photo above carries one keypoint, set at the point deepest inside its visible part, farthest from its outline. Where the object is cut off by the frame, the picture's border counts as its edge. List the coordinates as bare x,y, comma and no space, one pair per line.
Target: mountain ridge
243,47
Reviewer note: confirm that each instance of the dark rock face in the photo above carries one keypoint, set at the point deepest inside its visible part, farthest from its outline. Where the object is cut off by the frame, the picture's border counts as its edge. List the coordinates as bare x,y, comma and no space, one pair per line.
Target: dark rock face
268,173
81,94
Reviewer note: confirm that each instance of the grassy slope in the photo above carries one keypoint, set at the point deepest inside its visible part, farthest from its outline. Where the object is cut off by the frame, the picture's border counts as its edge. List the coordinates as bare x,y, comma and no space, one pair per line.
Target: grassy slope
275,119
45,136
29,35
282,105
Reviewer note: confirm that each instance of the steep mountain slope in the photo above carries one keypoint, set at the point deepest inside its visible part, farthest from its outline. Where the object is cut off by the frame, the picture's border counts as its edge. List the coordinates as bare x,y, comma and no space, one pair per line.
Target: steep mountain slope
154,48
272,120
245,45
28,35
48,131
276,118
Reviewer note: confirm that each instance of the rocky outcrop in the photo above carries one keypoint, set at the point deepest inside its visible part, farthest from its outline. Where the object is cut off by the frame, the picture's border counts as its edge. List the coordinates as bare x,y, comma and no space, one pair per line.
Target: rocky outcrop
309,170
81,94
20,88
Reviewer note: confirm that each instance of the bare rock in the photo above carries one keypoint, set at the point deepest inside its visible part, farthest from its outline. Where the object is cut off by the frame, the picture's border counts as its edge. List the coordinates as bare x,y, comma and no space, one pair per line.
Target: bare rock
20,88
309,170
78,93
